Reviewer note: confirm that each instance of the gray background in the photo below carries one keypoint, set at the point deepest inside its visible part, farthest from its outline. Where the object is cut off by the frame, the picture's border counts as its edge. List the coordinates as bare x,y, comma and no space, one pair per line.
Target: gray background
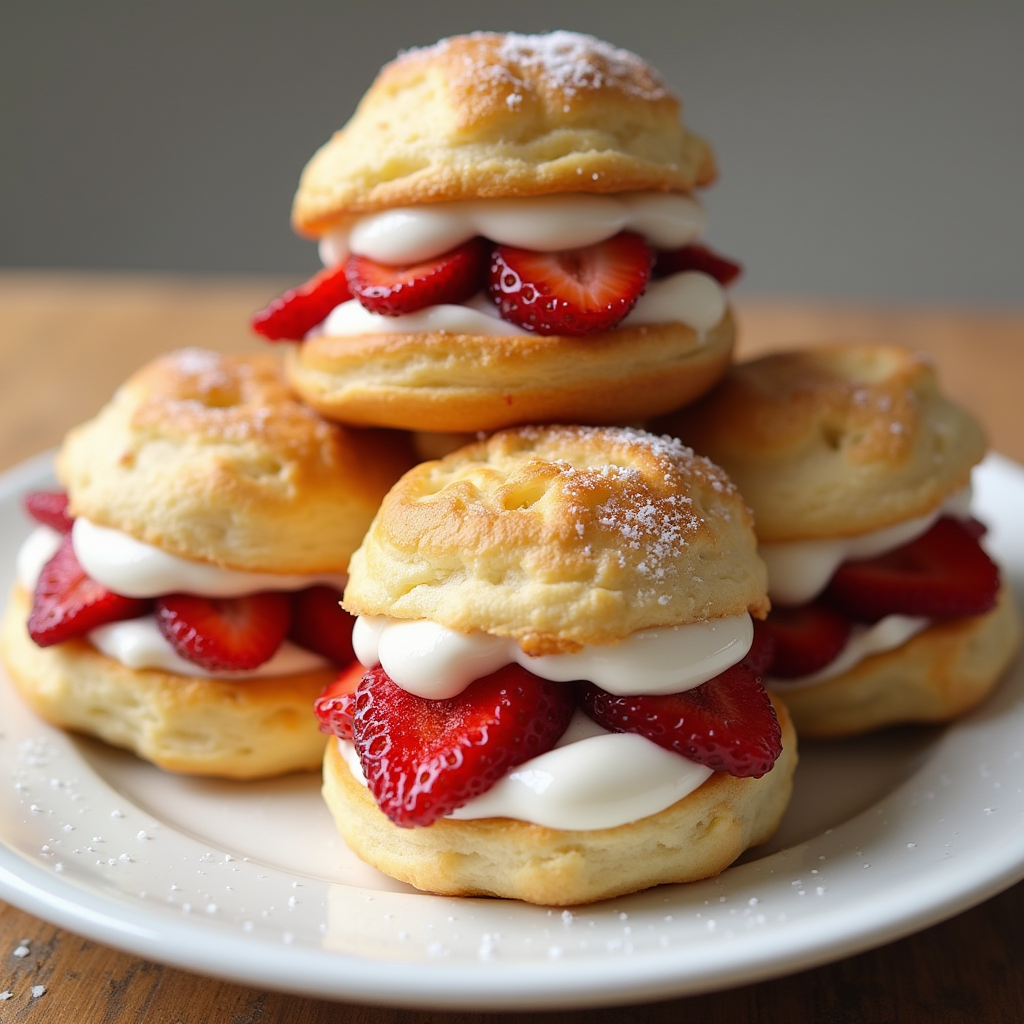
869,151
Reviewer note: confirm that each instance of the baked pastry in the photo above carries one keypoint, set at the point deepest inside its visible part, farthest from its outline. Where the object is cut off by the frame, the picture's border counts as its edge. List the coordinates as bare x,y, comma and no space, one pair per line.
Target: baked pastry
182,596
885,608
509,232
552,703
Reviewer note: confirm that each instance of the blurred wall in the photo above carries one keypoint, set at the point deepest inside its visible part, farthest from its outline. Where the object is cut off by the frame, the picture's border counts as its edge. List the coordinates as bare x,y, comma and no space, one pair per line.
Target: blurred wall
869,150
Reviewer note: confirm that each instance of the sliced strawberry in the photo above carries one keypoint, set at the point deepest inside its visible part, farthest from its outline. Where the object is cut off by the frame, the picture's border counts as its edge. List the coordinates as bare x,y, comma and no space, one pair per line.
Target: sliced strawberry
424,758
574,291
334,707
762,650
942,574
697,257
320,624
451,277
727,723
807,638
297,312
67,603
50,508
974,527
225,634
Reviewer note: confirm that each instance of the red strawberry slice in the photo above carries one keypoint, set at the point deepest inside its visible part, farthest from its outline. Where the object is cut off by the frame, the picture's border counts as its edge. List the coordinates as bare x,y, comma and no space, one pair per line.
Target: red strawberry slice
334,707
762,650
297,312
67,603
807,638
320,624
697,257
727,723
574,291
451,277
942,574
424,758
50,508
225,634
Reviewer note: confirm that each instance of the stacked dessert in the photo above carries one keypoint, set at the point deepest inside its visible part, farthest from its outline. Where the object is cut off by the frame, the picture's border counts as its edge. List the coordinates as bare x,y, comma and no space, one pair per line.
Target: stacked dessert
181,595
557,706
510,236
886,608
561,628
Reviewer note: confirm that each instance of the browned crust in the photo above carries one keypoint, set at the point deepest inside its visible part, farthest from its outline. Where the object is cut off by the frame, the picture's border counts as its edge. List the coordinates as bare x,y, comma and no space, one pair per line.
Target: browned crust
211,457
456,382
486,115
559,536
835,440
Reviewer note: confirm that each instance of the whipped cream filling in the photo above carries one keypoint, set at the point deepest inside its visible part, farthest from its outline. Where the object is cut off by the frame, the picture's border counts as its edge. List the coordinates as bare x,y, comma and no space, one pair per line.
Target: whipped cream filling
591,779
431,661
133,569
138,643
689,297
542,223
885,635
800,570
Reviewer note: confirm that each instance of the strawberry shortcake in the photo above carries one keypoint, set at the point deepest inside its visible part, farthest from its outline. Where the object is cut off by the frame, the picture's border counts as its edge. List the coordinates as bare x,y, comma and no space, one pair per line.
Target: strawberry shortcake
556,699
510,235
885,606
180,596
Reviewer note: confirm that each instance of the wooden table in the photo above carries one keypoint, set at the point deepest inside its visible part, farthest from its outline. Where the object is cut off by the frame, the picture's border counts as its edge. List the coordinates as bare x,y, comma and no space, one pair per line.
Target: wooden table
66,340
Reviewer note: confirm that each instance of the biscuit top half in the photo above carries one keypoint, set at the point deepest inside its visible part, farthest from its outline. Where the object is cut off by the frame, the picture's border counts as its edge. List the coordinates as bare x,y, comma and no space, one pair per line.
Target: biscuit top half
561,536
836,440
489,115
210,457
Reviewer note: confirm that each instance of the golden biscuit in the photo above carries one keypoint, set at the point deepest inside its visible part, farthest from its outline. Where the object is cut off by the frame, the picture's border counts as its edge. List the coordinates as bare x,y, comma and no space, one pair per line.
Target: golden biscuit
459,382
697,837
561,536
934,677
210,457
834,441
488,115
236,729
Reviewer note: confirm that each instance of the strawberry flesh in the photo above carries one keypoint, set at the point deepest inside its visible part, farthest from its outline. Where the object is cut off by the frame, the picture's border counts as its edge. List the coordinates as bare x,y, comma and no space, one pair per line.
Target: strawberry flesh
574,291
727,724
297,312
334,707
50,508
320,624
807,638
225,634
67,603
452,277
762,650
942,574
425,758
697,257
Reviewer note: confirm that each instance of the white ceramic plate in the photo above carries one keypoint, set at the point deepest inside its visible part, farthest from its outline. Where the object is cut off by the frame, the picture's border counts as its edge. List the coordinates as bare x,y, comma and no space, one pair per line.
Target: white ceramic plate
250,882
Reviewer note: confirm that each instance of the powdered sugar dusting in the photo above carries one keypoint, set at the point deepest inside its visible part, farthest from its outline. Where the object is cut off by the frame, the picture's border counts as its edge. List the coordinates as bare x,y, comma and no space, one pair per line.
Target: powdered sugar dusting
568,62
572,62
654,494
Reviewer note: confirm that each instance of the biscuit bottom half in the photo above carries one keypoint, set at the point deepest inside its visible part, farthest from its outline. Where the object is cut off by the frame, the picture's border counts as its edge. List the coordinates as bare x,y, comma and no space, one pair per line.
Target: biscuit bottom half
457,382
236,729
934,677
695,838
